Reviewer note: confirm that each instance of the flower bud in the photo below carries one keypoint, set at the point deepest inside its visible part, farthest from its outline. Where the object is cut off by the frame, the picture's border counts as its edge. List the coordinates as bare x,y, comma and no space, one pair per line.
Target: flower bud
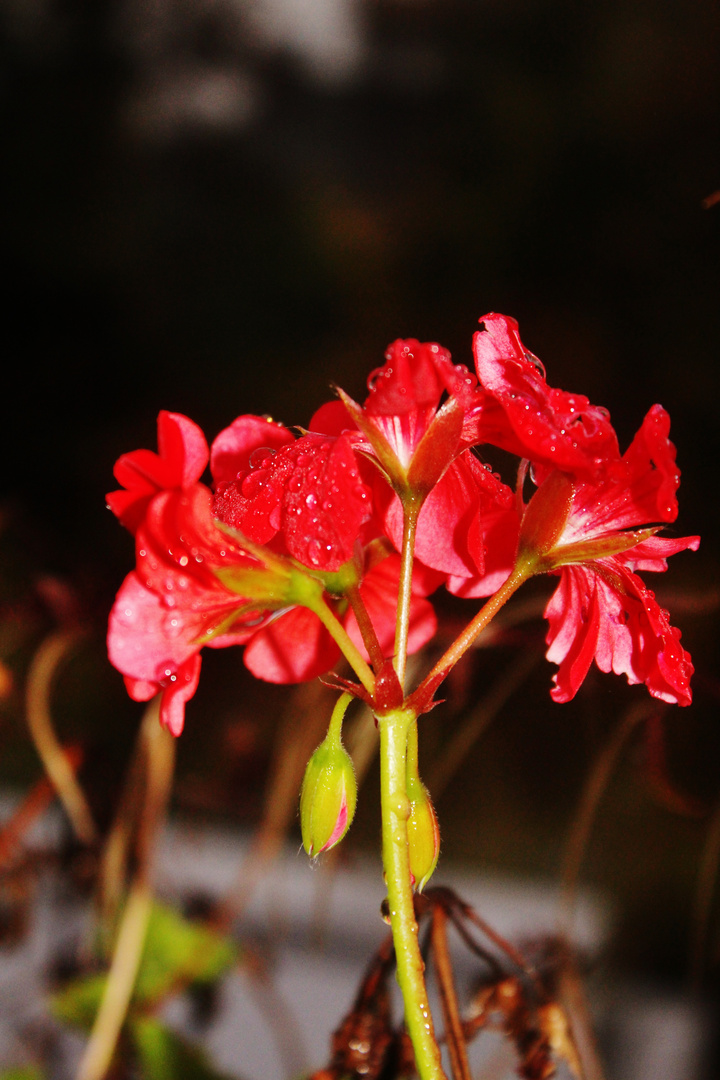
545,518
329,790
423,834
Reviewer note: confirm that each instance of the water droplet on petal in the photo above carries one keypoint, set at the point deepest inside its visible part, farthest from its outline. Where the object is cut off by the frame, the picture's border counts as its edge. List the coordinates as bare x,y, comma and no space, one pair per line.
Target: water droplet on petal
537,364
259,455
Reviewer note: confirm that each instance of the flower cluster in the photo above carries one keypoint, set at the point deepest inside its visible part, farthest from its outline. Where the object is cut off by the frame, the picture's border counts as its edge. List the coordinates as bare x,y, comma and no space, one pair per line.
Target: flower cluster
299,546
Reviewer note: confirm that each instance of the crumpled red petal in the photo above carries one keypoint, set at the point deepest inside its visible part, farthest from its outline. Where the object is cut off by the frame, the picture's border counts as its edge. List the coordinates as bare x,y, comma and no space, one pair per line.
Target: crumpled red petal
550,427
605,612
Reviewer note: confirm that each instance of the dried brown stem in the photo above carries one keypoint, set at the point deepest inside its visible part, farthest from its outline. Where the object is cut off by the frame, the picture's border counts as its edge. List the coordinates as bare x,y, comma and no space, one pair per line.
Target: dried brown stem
454,1034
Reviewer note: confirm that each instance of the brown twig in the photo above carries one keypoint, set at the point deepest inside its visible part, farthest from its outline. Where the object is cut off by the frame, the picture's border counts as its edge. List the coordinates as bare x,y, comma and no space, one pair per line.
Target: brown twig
33,806
454,1035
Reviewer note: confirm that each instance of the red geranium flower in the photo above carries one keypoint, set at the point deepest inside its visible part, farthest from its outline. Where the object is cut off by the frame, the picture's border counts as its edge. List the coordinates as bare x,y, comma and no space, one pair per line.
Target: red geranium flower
596,535
173,602
419,447
195,585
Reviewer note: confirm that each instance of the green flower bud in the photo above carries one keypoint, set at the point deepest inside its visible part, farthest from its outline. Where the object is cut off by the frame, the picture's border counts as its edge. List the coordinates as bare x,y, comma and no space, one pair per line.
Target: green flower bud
329,789
423,833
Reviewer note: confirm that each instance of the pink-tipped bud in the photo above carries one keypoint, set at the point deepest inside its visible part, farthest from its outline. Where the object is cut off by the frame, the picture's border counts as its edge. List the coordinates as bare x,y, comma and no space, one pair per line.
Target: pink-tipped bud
328,796
423,834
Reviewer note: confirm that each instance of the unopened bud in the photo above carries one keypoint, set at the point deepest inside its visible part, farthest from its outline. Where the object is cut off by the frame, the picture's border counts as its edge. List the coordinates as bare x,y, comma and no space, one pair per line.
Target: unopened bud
329,790
544,519
423,834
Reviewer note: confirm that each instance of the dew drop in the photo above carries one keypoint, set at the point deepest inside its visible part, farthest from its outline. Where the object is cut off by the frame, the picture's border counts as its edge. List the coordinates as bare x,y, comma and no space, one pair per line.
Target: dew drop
537,364
259,455
314,549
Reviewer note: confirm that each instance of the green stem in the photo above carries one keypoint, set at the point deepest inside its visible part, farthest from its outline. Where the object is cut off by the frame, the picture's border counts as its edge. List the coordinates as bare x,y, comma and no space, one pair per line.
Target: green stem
411,511
463,642
340,636
393,730
412,762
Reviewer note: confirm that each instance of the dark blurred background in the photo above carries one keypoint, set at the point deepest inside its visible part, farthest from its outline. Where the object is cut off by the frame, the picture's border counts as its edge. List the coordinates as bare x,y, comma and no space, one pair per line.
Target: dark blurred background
222,206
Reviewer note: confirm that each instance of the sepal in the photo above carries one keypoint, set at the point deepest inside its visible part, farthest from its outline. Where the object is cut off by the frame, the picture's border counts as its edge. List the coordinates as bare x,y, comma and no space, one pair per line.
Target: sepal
423,834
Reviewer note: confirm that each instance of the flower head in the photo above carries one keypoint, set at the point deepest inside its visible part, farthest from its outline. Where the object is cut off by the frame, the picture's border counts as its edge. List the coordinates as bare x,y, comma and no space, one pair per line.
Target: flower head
248,564
596,534
418,445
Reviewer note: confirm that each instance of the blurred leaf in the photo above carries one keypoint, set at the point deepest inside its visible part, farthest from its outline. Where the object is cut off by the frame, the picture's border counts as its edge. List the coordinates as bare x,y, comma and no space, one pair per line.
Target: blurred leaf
23,1072
178,953
163,1055
79,1001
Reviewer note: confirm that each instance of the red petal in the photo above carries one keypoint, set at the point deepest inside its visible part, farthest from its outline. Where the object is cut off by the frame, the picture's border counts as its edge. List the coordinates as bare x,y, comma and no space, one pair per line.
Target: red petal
182,458
293,648
550,427
408,380
325,502
604,610
239,447
177,693
447,537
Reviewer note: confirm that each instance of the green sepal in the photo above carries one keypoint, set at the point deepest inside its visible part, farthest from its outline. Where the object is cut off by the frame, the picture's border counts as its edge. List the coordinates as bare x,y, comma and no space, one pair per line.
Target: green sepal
423,833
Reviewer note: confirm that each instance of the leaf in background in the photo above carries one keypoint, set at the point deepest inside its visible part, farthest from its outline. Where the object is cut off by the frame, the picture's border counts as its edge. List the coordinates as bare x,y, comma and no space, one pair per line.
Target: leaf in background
177,954
23,1072
163,1055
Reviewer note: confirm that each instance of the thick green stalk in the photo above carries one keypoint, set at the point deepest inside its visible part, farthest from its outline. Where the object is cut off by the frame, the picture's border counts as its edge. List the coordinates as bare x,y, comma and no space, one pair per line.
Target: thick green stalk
395,805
